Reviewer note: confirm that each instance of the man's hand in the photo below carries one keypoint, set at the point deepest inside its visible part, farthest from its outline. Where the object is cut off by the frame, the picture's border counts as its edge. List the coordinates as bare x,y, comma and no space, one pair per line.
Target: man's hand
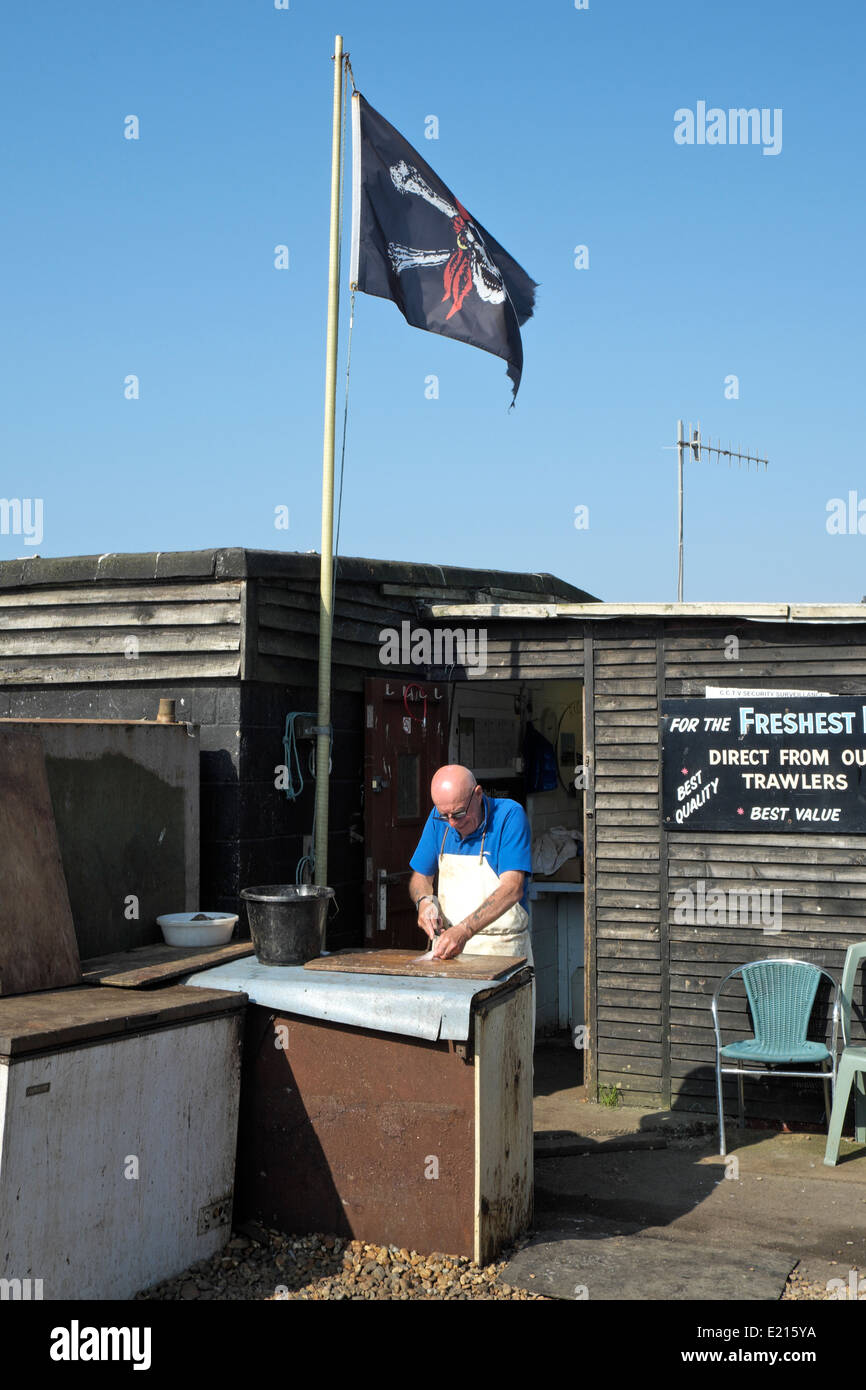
428,917
455,939
451,943
421,887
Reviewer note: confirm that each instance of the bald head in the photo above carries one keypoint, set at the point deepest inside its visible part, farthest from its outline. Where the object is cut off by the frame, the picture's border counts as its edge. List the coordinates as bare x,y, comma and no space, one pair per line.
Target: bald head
452,781
458,798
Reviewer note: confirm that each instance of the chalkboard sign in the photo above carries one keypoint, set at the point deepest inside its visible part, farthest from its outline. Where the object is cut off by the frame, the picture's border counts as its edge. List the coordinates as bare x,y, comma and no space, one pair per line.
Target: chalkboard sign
765,764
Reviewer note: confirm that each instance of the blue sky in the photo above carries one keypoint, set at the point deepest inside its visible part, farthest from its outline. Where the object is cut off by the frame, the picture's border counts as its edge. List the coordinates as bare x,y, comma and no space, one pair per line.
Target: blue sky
155,257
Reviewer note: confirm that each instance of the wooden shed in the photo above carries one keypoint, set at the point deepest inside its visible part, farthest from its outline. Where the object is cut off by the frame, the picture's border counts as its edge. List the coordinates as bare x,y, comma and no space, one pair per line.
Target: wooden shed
649,974
232,636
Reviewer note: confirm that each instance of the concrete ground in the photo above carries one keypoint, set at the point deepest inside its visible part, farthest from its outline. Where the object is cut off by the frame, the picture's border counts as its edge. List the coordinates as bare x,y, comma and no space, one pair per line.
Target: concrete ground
635,1204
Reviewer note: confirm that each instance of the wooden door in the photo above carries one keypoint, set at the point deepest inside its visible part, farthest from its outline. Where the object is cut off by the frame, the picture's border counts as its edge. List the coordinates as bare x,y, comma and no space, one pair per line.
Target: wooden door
406,735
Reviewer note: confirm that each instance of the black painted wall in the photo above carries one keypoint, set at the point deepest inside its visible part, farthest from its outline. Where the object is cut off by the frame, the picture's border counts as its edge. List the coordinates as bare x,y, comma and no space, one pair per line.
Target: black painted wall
251,833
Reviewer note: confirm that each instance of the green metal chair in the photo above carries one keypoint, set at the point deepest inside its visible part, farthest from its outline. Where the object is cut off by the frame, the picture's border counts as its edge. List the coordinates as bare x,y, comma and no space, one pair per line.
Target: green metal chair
852,1065
781,995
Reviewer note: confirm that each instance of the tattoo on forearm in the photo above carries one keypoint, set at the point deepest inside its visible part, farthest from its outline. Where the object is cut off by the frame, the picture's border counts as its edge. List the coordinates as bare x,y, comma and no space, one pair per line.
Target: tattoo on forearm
475,918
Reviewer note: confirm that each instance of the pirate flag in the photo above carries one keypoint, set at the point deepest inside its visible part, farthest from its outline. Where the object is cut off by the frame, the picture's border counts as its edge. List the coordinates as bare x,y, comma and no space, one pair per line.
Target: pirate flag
415,243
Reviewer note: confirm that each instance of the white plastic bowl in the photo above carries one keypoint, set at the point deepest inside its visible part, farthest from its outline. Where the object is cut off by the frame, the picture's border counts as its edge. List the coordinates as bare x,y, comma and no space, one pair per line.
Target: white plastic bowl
179,929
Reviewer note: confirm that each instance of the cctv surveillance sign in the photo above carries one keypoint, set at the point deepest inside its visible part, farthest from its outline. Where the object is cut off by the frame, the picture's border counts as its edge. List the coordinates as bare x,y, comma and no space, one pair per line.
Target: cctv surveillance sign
773,764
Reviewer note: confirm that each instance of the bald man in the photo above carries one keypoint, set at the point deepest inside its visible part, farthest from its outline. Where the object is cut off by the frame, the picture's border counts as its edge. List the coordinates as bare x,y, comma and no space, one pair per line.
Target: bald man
480,848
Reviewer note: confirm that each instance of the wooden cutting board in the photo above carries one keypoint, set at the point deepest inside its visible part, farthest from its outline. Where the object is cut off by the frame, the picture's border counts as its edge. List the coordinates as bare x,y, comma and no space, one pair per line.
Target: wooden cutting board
373,962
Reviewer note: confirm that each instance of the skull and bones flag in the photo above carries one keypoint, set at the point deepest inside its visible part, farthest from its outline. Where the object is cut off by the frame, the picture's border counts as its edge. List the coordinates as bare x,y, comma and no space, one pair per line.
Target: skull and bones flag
415,243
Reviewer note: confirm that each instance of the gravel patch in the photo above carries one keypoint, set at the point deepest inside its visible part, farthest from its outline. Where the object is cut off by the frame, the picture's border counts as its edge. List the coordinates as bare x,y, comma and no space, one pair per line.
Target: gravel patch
269,1266
800,1287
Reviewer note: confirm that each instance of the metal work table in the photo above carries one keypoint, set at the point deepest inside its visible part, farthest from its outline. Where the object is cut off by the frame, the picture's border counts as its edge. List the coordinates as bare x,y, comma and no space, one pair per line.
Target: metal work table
416,1008
392,1109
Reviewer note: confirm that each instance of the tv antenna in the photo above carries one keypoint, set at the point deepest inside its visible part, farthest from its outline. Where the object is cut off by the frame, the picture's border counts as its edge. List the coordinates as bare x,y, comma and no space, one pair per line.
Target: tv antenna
698,448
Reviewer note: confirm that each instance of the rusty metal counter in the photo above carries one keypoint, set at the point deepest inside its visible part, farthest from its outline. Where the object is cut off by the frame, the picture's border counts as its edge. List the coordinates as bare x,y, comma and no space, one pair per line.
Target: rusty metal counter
390,1109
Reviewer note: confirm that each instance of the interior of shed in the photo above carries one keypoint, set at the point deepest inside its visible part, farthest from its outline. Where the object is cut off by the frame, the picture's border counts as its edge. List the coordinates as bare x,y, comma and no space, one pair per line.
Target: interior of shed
490,730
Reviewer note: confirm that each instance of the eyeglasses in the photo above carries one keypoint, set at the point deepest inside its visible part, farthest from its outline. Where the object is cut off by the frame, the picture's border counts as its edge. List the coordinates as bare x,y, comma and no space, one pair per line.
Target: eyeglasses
458,815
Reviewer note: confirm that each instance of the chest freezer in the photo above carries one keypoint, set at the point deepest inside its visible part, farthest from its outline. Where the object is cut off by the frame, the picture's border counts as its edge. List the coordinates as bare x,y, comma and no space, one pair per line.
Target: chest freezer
118,1126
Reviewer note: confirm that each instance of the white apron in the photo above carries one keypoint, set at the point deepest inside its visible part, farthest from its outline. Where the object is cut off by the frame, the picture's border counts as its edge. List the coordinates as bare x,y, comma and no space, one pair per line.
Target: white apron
465,882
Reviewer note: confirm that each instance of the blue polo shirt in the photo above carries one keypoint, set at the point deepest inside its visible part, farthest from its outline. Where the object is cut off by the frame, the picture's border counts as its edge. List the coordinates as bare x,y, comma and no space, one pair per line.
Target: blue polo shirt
506,841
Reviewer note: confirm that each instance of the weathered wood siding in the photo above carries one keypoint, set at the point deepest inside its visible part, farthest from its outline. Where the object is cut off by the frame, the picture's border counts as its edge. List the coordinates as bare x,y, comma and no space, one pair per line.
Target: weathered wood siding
119,632
287,623
521,650
627,989
652,977
821,878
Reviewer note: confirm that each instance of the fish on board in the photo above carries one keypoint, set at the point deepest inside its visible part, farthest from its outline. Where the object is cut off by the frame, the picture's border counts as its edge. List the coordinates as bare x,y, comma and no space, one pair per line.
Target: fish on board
428,955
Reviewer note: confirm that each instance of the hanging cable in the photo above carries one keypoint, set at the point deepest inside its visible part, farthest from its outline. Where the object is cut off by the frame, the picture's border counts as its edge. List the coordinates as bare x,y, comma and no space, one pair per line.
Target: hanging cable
345,428
294,771
306,865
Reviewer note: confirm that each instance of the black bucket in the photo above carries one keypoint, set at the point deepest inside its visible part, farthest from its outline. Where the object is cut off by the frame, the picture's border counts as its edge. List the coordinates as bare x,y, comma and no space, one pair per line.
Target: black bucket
287,921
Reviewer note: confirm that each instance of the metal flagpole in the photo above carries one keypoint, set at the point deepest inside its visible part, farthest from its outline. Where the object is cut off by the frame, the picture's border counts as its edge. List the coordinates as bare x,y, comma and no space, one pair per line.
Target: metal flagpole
326,582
